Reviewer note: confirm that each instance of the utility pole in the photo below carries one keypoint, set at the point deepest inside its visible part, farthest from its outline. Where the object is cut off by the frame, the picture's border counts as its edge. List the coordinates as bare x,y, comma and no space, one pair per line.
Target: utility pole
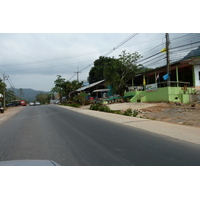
168,61
77,72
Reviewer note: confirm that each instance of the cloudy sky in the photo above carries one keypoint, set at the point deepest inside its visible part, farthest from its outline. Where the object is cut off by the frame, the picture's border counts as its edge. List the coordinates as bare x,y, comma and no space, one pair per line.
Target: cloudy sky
48,39
33,60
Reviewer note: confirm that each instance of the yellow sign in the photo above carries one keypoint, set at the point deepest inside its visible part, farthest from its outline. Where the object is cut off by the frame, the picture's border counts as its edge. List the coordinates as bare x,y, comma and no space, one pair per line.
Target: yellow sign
144,81
164,50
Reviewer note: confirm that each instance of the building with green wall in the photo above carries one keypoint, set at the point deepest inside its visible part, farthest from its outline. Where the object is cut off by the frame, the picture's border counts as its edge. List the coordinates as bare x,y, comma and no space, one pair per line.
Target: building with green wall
151,86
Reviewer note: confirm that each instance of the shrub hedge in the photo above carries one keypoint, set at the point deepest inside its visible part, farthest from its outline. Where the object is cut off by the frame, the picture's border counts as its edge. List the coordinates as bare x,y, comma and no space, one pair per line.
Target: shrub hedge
104,108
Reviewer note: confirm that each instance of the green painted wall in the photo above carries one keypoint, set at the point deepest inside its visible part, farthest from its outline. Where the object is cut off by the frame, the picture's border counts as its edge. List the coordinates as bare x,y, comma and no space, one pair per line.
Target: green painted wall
173,94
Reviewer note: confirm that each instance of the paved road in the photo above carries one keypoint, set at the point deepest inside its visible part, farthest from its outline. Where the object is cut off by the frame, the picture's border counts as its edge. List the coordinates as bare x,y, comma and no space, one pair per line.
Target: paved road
71,138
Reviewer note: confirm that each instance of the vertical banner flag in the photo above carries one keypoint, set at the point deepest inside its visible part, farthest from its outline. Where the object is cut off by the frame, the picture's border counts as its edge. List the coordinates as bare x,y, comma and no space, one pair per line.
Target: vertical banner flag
157,77
144,81
166,76
164,50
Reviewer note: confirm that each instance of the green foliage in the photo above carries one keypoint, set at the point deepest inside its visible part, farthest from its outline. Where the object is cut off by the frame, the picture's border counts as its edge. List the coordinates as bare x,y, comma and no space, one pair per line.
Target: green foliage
116,72
104,108
10,95
81,98
43,98
100,107
97,72
58,84
95,106
2,86
65,87
130,112
126,70
72,105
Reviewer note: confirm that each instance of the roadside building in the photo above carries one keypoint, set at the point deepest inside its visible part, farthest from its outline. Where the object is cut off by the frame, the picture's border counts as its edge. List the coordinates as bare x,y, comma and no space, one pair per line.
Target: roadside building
184,84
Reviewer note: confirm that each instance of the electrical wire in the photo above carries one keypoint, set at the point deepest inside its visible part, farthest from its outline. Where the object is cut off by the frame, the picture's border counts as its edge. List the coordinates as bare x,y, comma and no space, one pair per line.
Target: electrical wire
115,48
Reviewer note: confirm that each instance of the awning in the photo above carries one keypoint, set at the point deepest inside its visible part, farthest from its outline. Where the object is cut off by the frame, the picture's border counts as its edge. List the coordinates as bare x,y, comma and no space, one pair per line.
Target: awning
129,96
102,90
89,86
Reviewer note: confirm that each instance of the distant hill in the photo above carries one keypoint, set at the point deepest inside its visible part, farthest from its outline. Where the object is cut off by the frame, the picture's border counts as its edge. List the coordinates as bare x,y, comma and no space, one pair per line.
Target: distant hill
28,94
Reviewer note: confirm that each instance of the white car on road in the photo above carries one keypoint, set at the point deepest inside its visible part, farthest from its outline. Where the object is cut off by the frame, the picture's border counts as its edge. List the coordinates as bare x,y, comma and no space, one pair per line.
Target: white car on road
37,103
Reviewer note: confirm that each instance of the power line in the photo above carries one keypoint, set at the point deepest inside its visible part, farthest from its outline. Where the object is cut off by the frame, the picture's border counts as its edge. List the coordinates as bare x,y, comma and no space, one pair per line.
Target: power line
119,45
71,77
115,48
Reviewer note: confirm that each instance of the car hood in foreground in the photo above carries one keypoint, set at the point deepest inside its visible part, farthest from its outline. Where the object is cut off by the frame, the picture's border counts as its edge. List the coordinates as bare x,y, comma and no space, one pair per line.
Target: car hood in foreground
29,163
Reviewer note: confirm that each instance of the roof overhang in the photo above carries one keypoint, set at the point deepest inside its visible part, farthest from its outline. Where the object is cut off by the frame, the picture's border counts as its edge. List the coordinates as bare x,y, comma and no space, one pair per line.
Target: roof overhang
89,86
102,90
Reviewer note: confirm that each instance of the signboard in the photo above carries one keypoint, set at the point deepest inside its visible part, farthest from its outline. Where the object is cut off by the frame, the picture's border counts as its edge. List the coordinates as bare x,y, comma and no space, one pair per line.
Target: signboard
152,87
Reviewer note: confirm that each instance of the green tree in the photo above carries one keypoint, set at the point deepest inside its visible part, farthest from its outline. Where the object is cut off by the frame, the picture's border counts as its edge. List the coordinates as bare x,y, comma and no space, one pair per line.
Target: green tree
2,86
122,70
59,86
81,98
2,89
65,87
10,95
97,72
43,98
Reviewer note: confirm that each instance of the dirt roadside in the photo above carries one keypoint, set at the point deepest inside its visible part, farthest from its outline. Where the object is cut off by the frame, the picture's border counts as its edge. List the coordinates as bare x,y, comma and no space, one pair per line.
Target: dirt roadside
176,113
9,112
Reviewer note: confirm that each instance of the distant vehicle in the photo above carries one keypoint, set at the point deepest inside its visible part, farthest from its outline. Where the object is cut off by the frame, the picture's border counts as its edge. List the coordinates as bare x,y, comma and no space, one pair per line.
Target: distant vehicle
31,104
9,105
37,103
1,108
22,102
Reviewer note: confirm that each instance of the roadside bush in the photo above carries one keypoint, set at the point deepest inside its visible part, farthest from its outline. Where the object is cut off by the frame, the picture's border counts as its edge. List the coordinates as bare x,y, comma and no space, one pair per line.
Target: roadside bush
117,112
72,105
94,106
135,113
100,107
130,112
104,108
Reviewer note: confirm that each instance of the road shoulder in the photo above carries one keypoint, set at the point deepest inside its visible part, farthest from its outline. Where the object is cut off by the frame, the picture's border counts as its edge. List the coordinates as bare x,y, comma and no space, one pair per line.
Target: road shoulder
9,112
181,132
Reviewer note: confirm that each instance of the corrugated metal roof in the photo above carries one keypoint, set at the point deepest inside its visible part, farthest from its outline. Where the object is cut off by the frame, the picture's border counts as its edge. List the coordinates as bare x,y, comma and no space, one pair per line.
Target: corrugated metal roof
89,86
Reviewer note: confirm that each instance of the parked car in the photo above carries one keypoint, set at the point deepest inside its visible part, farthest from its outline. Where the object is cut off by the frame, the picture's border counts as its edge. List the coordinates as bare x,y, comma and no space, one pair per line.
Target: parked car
1,108
9,105
31,104
37,103
22,102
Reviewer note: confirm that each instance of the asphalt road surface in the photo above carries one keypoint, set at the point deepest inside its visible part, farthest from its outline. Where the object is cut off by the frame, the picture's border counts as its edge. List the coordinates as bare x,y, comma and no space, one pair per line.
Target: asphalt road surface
73,139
